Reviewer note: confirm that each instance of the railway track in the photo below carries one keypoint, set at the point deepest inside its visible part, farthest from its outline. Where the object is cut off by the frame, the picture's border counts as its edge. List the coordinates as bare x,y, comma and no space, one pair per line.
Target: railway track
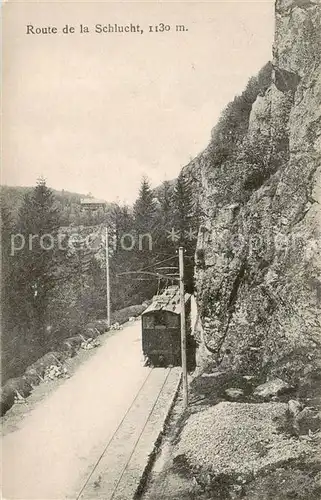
117,473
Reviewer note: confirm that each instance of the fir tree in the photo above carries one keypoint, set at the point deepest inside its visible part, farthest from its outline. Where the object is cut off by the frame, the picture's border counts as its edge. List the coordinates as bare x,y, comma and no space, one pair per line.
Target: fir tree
186,224
38,222
183,207
145,208
7,265
145,222
166,205
165,220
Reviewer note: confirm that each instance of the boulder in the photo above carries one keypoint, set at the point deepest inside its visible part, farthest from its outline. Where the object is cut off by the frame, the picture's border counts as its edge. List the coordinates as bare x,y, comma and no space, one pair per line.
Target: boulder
31,376
59,355
234,393
294,407
10,390
99,325
307,420
6,401
48,359
272,388
72,344
18,384
90,332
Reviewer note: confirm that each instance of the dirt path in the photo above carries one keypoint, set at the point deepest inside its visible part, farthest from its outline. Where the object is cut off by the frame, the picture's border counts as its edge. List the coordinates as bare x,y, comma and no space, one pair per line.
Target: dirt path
54,447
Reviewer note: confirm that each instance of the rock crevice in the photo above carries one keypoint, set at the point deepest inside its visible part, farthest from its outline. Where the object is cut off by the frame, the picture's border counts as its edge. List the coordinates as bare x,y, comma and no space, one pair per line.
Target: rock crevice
259,243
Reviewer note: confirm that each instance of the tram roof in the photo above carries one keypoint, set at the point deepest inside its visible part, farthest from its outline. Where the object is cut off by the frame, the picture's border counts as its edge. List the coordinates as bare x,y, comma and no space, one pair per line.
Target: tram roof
169,301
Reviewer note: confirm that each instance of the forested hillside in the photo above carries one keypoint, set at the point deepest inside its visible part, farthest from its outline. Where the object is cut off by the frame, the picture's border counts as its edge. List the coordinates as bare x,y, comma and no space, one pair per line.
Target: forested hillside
53,260
68,204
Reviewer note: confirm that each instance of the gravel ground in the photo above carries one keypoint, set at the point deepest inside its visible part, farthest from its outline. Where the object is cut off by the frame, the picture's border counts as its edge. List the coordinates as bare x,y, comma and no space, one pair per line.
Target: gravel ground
239,438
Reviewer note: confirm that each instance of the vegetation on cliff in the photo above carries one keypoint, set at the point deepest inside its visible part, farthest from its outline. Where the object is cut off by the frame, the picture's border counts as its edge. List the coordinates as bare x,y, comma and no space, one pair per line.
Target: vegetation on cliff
257,257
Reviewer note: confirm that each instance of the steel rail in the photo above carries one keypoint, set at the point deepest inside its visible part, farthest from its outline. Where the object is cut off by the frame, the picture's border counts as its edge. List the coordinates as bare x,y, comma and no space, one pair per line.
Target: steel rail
140,435
112,437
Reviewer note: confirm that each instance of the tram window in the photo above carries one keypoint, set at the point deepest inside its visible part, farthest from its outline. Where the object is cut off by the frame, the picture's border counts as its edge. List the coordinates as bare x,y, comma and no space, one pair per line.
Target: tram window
148,321
160,320
173,320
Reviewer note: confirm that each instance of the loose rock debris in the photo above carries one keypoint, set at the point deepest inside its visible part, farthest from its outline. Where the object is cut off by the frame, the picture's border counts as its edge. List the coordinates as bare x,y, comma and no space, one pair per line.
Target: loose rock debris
41,370
55,371
19,399
116,326
134,318
238,438
90,344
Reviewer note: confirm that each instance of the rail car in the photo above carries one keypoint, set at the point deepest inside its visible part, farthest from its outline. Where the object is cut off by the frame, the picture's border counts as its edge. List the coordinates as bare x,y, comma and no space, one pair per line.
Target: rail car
161,329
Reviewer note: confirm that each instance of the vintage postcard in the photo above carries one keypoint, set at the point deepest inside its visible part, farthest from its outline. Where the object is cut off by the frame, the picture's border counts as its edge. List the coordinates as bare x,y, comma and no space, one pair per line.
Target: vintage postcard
160,250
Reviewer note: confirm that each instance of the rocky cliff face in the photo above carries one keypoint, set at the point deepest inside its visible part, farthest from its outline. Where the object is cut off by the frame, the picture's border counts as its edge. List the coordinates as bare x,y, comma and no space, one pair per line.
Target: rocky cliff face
258,253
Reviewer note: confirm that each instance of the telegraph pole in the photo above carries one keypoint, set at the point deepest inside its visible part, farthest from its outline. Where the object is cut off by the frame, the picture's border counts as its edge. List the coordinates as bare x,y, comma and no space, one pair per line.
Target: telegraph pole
107,277
183,325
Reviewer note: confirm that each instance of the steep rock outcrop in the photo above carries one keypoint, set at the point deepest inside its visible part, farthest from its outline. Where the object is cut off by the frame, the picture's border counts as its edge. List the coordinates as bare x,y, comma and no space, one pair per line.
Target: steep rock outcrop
258,254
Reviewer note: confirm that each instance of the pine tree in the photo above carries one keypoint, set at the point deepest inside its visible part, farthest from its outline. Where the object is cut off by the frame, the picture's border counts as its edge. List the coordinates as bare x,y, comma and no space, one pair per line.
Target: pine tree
186,223
145,208
7,266
145,228
166,205
39,213
183,207
124,257
121,219
38,223
165,221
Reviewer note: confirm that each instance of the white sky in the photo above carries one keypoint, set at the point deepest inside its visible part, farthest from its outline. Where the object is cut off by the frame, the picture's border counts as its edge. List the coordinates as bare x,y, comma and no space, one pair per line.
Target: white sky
93,113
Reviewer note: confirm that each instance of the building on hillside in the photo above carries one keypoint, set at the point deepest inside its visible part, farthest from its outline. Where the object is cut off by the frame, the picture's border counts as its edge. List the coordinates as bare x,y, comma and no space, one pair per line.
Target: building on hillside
93,204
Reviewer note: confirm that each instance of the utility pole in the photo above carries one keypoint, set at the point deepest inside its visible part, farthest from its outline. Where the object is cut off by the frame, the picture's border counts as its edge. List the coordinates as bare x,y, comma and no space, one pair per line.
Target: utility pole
107,277
183,325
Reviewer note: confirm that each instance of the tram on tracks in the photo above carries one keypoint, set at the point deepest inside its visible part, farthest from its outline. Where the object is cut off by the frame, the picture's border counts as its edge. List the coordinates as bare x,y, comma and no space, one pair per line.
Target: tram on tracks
161,329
